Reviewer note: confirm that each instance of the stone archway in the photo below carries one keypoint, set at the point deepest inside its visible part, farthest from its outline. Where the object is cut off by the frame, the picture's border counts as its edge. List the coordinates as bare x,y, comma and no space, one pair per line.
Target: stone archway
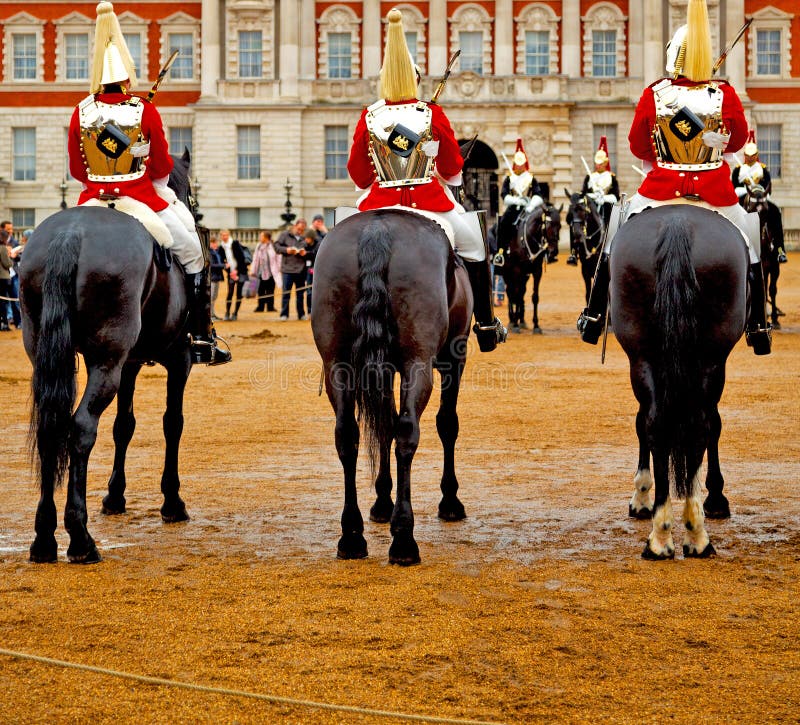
480,178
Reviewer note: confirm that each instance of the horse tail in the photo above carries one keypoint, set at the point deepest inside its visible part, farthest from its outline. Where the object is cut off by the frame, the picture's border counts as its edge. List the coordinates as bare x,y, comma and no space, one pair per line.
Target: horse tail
53,382
679,396
375,327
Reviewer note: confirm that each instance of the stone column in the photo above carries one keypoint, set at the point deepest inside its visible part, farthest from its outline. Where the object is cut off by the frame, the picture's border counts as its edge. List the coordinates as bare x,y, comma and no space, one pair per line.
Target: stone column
308,40
288,40
655,40
571,38
735,63
372,32
504,54
437,37
209,49
636,31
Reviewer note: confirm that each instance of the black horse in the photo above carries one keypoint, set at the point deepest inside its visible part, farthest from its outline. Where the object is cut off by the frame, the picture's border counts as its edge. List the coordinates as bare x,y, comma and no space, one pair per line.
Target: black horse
521,237
585,234
771,247
91,284
679,301
390,300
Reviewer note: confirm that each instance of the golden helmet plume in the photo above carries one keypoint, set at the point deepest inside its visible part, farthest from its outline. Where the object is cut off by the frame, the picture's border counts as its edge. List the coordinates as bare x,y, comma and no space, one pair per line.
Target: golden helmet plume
398,76
112,61
689,52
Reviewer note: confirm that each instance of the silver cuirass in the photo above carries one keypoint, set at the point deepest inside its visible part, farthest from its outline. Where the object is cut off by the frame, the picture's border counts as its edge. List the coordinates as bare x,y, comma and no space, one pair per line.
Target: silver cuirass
683,115
112,144
397,133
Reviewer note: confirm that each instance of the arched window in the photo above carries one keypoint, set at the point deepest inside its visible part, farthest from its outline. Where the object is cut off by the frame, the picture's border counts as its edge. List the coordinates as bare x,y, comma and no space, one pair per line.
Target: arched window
604,41
339,43
537,41
471,30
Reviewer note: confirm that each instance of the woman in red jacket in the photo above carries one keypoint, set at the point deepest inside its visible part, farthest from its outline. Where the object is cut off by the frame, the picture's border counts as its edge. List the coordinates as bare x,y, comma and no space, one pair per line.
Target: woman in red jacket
404,153
682,127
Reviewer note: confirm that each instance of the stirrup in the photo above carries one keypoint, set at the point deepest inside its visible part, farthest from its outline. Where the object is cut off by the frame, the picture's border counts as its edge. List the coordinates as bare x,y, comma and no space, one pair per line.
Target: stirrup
572,260
206,351
490,335
590,327
760,339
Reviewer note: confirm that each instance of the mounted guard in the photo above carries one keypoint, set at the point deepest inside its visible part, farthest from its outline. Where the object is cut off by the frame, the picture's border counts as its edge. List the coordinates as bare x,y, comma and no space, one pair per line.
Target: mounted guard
405,154
750,175
682,127
601,185
118,151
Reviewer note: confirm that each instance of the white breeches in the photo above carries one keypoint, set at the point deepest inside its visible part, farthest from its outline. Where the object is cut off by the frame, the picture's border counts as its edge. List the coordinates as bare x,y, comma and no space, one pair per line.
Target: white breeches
186,245
467,234
747,223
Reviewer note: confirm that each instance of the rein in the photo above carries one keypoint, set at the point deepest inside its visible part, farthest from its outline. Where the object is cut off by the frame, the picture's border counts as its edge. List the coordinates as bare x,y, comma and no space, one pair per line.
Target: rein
580,227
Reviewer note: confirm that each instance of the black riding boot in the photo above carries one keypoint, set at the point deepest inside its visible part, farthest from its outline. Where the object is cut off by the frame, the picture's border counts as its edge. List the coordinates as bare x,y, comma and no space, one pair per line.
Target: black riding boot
593,318
488,329
758,332
202,334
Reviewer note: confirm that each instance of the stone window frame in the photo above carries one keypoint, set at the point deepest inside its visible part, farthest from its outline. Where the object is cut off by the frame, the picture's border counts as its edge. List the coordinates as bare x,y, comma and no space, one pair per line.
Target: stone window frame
245,16
339,19
471,18
340,171
537,17
677,17
22,24
74,23
413,22
770,18
133,24
604,16
181,22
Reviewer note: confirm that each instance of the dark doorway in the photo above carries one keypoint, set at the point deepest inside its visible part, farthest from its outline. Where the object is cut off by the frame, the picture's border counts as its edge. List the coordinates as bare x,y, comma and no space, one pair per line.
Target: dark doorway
480,178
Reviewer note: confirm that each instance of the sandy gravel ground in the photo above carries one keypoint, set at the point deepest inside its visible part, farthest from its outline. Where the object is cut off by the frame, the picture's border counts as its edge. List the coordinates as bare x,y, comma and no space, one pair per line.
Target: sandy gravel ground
536,608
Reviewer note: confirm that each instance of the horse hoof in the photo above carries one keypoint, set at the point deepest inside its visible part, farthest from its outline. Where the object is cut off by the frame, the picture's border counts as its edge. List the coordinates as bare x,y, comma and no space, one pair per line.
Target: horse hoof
90,556
174,515
112,508
44,552
717,509
351,546
536,330
523,325
381,512
515,329
404,551
690,553
640,514
651,555
452,511
776,325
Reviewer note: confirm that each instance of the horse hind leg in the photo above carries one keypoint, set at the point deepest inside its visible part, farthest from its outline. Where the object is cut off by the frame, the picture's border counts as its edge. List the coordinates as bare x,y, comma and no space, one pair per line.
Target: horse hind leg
450,507
640,506
659,544
716,505
416,388
381,511
696,543
173,510
340,385
124,426
101,387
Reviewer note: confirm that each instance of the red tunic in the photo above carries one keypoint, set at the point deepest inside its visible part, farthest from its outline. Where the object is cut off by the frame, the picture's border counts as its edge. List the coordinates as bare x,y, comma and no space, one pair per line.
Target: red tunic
713,186
159,162
430,196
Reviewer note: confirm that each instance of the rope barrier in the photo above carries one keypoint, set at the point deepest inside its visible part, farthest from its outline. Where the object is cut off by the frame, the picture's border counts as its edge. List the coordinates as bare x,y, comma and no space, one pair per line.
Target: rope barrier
274,699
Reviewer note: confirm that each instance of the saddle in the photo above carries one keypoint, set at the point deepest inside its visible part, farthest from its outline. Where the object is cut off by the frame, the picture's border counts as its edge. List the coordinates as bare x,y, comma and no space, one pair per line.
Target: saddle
142,213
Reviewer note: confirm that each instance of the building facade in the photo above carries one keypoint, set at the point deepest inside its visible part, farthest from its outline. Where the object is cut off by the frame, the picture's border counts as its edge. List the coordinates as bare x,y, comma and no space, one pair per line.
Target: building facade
266,91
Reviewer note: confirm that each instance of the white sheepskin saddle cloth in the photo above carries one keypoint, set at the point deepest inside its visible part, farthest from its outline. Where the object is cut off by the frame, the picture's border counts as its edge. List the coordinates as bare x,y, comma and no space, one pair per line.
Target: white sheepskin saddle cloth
342,212
143,213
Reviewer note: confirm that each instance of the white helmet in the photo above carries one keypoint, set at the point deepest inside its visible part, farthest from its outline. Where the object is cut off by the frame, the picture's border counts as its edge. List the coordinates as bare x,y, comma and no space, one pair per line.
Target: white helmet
676,45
